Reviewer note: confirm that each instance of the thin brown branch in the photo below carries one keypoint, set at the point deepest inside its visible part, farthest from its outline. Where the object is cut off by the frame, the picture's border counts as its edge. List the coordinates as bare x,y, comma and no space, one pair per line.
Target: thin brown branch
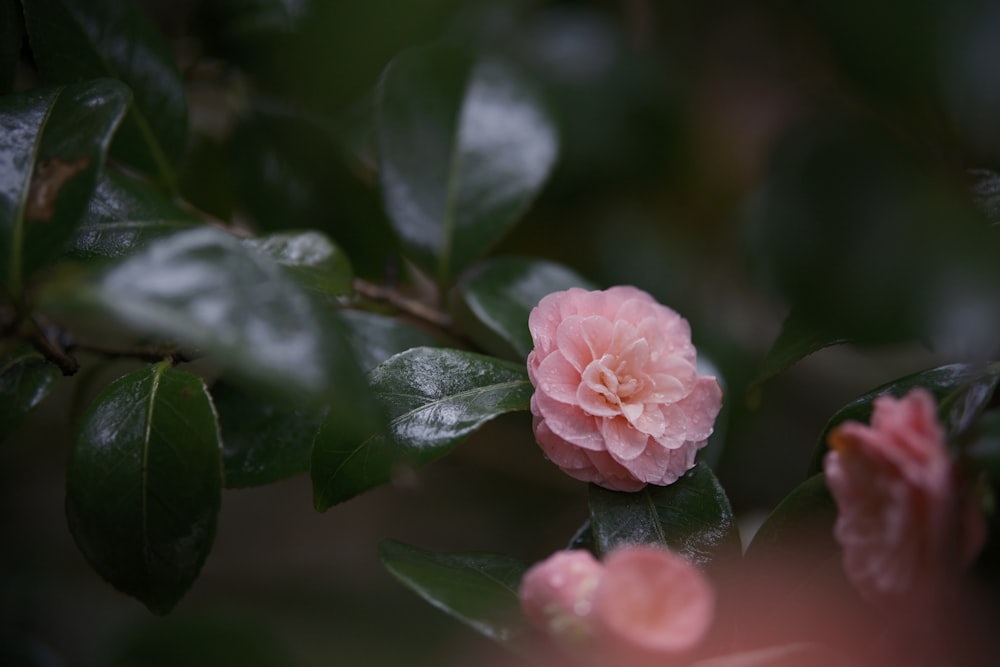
150,353
51,350
412,307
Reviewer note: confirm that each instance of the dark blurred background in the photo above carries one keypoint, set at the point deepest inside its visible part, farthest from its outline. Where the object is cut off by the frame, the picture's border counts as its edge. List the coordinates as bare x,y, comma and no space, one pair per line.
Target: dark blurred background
737,160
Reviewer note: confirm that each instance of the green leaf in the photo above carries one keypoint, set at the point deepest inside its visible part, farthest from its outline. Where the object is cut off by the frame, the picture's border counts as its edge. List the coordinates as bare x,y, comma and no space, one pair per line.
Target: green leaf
11,35
206,289
464,145
144,484
494,298
479,590
802,521
52,147
73,40
984,447
124,215
263,440
799,337
26,378
692,517
434,398
312,258
374,338
941,382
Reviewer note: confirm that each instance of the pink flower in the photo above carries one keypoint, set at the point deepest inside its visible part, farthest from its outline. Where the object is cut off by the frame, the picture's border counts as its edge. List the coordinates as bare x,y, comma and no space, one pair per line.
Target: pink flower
556,595
644,603
903,522
652,603
617,399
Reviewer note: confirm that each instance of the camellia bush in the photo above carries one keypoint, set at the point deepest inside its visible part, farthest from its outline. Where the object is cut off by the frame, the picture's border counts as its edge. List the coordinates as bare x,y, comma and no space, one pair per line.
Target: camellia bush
240,245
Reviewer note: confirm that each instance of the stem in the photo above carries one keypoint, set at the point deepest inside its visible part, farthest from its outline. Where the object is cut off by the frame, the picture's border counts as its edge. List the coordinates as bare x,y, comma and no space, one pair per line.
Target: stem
409,306
150,353
52,351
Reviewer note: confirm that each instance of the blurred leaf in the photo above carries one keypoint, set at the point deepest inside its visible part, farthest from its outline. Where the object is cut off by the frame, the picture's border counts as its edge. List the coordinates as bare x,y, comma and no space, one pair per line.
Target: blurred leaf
941,382
201,641
374,338
494,298
144,484
464,145
312,258
986,193
692,517
73,40
26,378
479,590
263,440
53,145
798,338
984,447
205,288
434,398
804,517
10,43
124,215
583,539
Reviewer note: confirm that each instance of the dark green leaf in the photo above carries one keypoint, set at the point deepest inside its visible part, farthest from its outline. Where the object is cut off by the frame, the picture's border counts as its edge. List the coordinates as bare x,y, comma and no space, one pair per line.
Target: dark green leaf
124,215
692,516
52,147
941,382
799,337
374,338
79,39
464,146
263,441
202,641
984,447
434,399
144,484
802,521
479,590
10,43
311,257
25,379
494,298
205,288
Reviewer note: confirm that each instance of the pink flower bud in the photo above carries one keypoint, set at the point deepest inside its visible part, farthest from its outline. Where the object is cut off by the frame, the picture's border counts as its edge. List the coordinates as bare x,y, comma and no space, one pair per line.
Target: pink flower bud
618,401
904,524
556,595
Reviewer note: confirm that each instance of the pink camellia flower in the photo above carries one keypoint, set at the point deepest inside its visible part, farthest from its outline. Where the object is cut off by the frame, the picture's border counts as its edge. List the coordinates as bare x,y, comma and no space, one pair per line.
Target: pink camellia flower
617,400
903,521
556,595
643,604
651,603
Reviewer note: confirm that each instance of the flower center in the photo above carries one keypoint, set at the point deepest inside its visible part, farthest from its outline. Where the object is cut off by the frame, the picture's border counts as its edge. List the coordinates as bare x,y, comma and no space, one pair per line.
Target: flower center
612,379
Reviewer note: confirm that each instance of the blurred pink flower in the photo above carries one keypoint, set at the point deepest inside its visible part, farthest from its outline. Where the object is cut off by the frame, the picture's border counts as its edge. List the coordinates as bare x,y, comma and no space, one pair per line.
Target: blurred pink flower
556,595
904,523
644,603
652,603
617,399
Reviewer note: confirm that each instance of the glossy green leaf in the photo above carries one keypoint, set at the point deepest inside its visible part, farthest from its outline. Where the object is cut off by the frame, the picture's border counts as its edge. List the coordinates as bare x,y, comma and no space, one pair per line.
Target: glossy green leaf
941,382
10,43
124,215
144,484
433,398
26,378
374,338
263,440
79,39
799,337
479,590
464,145
494,298
312,258
52,147
692,516
207,290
